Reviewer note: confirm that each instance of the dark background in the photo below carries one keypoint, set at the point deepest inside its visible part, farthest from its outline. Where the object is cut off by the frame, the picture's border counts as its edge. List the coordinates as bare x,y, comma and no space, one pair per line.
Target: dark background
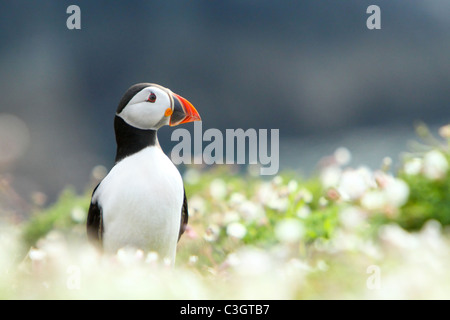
309,68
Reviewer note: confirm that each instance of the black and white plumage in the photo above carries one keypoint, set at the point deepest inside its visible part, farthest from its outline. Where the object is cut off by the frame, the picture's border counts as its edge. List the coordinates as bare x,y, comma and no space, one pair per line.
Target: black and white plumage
141,203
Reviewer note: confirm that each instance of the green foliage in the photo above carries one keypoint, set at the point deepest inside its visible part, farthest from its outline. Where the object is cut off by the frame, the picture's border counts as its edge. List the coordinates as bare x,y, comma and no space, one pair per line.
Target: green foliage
429,199
427,175
273,200
63,215
314,238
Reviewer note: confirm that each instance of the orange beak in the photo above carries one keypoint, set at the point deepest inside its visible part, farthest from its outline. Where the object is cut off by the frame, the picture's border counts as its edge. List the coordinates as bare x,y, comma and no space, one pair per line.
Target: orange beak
183,111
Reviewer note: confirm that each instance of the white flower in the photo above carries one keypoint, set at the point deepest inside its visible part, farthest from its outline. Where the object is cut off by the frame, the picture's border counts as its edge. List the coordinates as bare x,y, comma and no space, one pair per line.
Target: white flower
323,202
306,195
279,204
396,192
292,186
277,180
351,217
193,259
233,259
368,176
212,233
152,257
373,200
303,212
167,262
218,189
330,176
265,192
237,198
322,265
386,163
191,176
294,265
251,262
237,230
289,230
196,205
413,166
268,195
435,165
251,211
128,256
37,254
431,235
393,192
78,214
342,156
354,183
382,178
445,131
99,172
231,216
398,237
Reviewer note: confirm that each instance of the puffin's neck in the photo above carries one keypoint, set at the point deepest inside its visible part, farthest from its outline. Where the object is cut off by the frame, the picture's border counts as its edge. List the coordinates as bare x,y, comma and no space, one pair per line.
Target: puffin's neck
130,139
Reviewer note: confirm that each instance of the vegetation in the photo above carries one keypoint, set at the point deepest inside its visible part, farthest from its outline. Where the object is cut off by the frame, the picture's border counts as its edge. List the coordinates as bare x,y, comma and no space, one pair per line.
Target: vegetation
344,233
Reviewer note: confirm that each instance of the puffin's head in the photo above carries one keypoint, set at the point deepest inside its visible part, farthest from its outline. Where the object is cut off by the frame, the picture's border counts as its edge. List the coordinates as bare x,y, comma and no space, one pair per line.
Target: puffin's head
150,106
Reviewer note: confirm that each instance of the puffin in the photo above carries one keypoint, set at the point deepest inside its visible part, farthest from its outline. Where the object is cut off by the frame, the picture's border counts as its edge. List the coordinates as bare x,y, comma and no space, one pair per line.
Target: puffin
141,203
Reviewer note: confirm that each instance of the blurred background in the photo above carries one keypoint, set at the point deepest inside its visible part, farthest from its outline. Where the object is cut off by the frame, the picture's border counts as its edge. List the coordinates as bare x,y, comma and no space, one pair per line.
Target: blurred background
309,68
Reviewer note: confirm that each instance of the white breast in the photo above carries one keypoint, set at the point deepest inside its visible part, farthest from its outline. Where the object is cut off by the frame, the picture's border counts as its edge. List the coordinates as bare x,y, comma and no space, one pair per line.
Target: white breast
141,200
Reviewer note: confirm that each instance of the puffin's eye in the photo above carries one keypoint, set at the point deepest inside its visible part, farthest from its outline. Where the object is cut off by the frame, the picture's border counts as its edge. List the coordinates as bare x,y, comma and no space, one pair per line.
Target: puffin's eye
152,98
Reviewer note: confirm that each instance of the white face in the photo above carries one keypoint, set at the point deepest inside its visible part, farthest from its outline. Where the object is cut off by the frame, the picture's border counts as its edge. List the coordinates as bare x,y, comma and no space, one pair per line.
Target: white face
147,109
